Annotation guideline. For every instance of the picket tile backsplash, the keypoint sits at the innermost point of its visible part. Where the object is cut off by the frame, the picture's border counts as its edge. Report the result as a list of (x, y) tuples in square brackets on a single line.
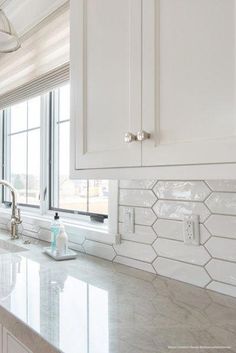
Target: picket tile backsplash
[(157, 244), (212, 264), (222, 226)]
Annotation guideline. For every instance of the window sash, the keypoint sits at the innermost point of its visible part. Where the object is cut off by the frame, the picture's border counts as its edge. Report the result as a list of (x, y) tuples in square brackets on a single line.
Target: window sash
[(6, 155), (55, 124), (48, 128)]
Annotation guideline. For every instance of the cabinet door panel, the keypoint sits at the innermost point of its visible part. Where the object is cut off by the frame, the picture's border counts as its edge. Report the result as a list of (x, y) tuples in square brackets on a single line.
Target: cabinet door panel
[(191, 66), (105, 82)]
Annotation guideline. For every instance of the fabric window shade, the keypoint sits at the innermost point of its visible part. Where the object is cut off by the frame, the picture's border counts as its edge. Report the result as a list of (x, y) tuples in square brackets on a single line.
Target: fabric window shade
[(42, 62)]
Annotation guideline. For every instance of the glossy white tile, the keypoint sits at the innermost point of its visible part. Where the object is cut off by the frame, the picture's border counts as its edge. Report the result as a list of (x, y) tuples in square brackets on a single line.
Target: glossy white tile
[(167, 228), (179, 251), (32, 227), (222, 248), (99, 249), (182, 190), (142, 234), (220, 225), (76, 247), (136, 251), (179, 209), (181, 271), (222, 185), (142, 216), (142, 198), (76, 237), (44, 234), (222, 202), (134, 263), (137, 184), (204, 234), (222, 288), (40, 235), (222, 271)]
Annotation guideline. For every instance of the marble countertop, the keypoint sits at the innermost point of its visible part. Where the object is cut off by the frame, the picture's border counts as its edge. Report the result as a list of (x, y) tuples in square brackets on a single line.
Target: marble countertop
[(89, 305)]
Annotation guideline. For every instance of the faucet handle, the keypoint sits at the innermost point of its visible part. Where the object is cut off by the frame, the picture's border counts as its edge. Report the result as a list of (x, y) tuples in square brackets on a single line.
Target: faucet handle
[(19, 220)]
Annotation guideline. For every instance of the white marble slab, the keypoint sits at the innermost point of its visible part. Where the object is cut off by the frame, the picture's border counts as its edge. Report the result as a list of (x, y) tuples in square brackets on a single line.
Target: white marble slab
[(90, 305)]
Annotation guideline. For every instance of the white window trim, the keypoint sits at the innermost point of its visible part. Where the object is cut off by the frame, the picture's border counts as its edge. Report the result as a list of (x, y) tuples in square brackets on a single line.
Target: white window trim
[(105, 233)]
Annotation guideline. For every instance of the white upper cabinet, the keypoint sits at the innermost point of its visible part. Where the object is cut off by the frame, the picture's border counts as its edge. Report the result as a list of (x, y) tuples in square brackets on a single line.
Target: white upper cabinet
[(106, 71), (189, 82), (165, 67)]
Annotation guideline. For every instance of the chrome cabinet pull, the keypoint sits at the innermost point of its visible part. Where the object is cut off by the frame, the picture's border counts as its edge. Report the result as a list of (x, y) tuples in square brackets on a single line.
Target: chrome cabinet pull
[(143, 135), (129, 137)]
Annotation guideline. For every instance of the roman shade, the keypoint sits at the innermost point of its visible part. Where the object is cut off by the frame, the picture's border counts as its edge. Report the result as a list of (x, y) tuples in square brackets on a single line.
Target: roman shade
[(42, 62)]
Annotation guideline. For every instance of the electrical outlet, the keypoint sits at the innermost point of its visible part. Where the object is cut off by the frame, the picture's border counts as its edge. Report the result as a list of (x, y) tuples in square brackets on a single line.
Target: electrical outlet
[(191, 230), (128, 226)]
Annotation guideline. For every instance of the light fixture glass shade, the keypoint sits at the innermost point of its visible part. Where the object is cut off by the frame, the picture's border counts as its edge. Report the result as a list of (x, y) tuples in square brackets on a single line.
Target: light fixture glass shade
[(9, 40)]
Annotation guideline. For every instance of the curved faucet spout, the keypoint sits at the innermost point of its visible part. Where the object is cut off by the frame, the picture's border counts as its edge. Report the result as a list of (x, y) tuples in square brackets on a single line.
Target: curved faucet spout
[(15, 215)]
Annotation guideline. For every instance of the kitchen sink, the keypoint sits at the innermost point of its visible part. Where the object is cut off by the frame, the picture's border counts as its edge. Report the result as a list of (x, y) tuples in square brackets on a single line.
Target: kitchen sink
[(7, 247)]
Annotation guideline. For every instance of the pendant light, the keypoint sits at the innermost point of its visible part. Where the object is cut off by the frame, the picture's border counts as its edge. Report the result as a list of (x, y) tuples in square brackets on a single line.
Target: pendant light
[(9, 41)]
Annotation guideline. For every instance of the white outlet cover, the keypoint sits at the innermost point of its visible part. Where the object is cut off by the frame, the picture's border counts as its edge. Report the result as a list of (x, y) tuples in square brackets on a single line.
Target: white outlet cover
[(191, 230), (128, 225)]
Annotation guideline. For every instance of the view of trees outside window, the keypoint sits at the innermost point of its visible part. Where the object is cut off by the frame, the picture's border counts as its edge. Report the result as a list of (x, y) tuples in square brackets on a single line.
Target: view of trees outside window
[(23, 148), (22, 158), (78, 195)]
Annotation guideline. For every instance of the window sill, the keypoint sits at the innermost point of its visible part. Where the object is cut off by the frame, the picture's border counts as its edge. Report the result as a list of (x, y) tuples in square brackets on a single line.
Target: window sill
[(78, 230)]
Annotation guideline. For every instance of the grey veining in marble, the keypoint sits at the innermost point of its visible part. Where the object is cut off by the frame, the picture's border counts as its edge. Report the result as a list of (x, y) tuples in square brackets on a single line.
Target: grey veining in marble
[(90, 305)]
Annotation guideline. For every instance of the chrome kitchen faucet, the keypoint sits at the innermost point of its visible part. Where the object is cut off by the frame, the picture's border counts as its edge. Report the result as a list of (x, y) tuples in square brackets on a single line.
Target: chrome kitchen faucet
[(15, 215)]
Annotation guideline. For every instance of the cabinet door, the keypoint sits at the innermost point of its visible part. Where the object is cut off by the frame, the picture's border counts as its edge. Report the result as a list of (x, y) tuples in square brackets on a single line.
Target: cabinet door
[(105, 82), (11, 344), (189, 82)]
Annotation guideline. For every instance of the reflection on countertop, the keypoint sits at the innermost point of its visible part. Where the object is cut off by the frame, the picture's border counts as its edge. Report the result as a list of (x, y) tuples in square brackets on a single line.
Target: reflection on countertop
[(92, 306)]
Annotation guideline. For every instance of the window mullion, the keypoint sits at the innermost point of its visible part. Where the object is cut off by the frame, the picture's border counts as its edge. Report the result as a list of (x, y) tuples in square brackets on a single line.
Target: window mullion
[(7, 151), (27, 155), (54, 165), (44, 153)]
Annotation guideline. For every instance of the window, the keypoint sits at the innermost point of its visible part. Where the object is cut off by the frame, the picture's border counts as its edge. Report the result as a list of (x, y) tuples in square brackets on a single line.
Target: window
[(22, 150), (23, 126), (84, 196)]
